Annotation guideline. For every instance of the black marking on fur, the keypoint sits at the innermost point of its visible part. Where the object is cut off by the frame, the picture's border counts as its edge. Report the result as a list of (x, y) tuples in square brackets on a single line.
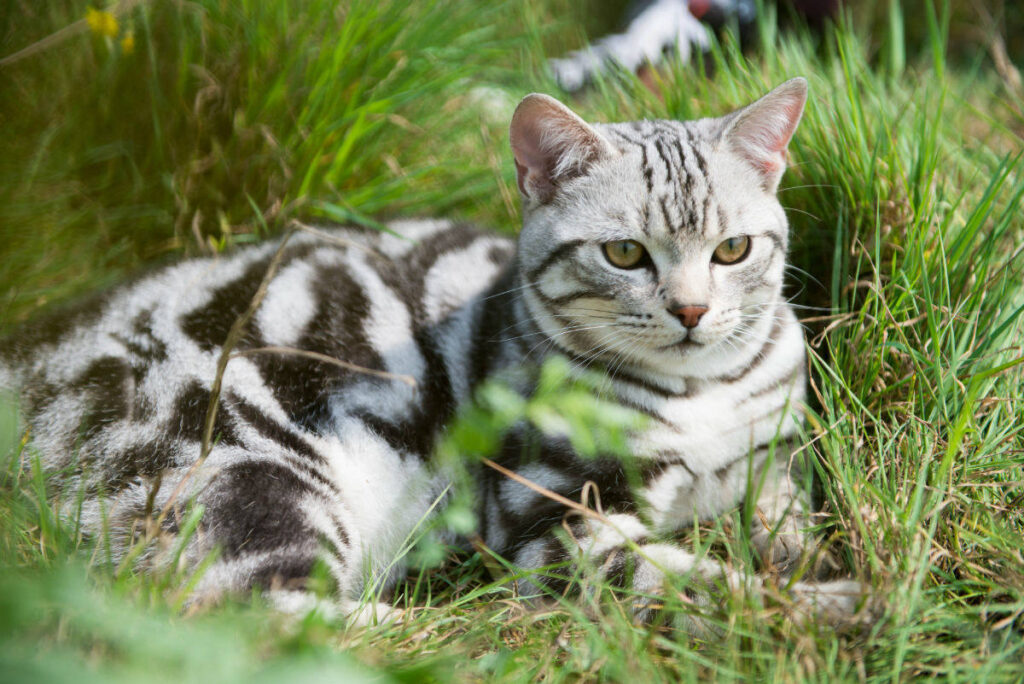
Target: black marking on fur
[(500, 255), (147, 347), (417, 433), (144, 459), (618, 373), (209, 324), (555, 579), (143, 347), (298, 453), (659, 147), (775, 384), (490, 323), (572, 296), (608, 474), (688, 177), (189, 417), (723, 473), (619, 567), (645, 217), (339, 528), (776, 239), (700, 219), (759, 357), (270, 429), (301, 385), (702, 163), (665, 216), (109, 383), (38, 394), (407, 276), (555, 255), (664, 460), (648, 171), (284, 571), (621, 135), (253, 506), (170, 523), (723, 220)]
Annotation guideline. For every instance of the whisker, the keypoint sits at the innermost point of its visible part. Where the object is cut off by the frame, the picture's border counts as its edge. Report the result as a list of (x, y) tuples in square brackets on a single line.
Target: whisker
[(801, 211), (792, 267), (803, 187)]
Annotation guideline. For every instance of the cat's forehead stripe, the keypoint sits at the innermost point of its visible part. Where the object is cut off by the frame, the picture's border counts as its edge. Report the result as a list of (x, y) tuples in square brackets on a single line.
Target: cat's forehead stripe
[(674, 171)]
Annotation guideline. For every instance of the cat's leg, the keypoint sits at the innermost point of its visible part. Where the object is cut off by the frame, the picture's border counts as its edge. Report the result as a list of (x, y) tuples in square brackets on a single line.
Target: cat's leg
[(359, 613), (259, 513), (778, 527), (615, 550), (567, 547)]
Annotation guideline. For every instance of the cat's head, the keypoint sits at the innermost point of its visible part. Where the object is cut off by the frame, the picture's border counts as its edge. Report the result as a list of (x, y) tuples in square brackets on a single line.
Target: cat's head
[(656, 244)]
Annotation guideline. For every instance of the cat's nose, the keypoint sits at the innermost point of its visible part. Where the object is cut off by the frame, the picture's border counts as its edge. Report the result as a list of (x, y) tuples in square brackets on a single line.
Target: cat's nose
[(689, 315)]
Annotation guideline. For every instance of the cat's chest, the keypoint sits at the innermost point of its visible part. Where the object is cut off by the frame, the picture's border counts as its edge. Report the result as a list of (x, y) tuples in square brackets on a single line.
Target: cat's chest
[(712, 427)]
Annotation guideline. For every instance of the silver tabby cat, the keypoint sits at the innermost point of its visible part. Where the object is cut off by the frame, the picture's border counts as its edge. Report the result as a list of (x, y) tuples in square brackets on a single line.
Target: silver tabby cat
[(653, 250)]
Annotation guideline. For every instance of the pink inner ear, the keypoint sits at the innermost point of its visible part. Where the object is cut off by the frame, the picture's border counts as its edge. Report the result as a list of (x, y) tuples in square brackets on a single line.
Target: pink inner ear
[(520, 173), (767, 167), (550, 144), (763, 131)]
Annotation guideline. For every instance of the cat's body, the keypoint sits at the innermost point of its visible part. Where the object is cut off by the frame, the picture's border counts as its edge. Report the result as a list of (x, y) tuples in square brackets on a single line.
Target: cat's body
[(311, 459)]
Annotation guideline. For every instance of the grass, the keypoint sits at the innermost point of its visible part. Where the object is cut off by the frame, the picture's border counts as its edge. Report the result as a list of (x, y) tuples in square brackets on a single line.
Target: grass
[(224, 121)]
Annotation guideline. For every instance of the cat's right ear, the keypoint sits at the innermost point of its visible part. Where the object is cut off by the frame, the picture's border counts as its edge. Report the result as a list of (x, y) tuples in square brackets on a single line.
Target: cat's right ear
[(760, 132), (551, 145)]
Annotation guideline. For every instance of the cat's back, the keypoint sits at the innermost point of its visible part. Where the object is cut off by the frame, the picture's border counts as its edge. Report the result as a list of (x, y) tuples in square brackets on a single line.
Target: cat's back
[(144, 355)]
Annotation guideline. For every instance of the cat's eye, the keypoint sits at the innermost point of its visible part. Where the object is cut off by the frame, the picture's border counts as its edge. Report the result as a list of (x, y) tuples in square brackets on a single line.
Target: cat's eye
[(731, 251), (625, 253)]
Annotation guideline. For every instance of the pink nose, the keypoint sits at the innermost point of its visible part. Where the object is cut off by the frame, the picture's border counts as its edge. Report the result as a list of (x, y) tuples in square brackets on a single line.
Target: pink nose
[(690, 315)]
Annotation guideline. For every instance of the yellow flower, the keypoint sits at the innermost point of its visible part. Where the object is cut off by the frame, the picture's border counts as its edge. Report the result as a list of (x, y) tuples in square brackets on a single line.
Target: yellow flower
[(128, 43), (101, 22)]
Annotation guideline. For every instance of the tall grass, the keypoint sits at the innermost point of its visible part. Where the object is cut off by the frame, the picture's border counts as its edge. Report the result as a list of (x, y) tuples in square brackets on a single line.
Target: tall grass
[(227, 120), (226, 117)]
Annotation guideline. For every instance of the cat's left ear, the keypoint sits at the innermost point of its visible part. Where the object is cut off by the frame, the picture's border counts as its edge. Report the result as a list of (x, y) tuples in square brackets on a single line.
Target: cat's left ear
[(760, 132), (551, 145)]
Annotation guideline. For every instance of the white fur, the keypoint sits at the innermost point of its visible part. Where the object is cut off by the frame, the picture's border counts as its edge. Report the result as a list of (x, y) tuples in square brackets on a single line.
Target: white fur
[(288, 306)]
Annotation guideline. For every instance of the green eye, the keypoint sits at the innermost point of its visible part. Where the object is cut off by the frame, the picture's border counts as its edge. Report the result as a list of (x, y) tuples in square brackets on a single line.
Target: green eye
[(624, 253), (732, 250)]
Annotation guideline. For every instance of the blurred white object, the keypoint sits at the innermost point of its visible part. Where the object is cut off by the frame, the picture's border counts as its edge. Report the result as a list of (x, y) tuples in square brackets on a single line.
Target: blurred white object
[(662, 24)]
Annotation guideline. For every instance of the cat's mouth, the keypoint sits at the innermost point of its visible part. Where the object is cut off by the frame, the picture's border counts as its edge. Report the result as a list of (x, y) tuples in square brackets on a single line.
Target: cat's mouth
[(686, 342)]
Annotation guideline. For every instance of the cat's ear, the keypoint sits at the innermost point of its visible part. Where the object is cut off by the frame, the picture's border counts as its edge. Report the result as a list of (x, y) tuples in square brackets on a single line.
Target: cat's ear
[(760, 132), (551, 145)]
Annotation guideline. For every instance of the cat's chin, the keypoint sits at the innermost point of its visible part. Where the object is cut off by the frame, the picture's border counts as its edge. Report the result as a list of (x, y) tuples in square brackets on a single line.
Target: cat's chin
[(693, 357)]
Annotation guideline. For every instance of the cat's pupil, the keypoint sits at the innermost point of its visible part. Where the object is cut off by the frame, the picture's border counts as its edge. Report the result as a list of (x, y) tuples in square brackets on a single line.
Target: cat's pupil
[(624, 253), (732, 250)]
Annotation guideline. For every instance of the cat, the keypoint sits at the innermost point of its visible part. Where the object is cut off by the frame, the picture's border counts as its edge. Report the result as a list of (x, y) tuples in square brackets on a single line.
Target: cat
[(652, 250)]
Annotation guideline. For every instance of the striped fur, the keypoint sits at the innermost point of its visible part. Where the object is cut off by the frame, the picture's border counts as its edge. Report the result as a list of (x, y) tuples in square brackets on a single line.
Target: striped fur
[(313, 460)]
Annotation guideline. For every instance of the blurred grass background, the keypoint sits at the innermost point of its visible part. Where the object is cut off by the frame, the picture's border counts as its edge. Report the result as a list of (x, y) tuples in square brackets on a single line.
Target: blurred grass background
[(136, 133)]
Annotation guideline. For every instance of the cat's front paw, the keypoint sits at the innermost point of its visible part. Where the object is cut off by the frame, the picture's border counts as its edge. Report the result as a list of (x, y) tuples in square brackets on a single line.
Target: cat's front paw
[(300, 604), (781, 549), (842, 603)]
